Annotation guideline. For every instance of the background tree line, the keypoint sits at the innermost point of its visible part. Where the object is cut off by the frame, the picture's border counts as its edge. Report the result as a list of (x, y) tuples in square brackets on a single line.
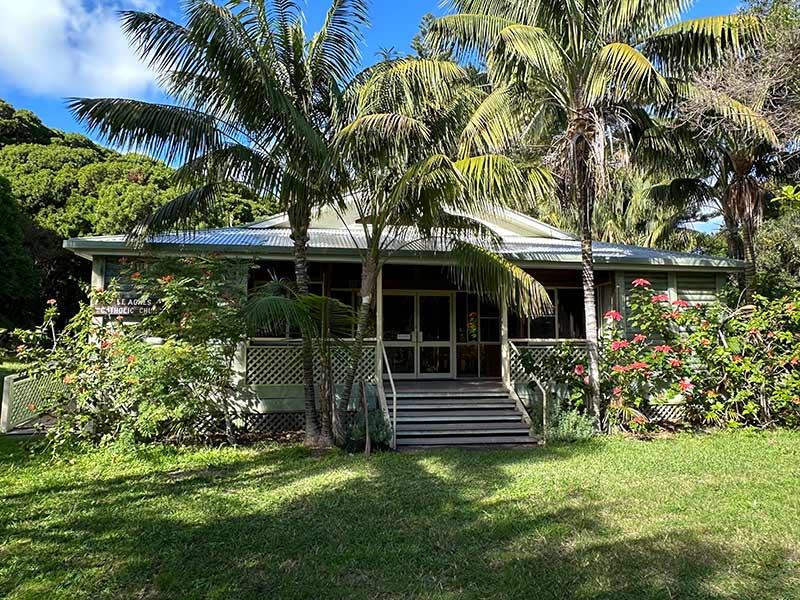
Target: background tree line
[(56, 185)]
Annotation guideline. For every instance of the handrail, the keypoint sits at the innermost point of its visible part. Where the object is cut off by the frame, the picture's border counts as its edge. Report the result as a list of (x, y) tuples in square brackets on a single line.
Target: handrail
[(394, 393), (531, 379)]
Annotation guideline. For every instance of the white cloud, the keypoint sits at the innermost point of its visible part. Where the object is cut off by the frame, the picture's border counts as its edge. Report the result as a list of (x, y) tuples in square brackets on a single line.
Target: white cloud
[(70, 48)]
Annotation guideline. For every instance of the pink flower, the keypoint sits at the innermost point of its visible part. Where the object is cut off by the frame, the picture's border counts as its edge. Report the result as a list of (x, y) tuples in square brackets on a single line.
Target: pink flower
[(680, 303), (105, 344), (639, 420), (31, 406), (51, 301), (686, 350), (619, 369), (619, 344), (640, 282), (579, 370), (639, 365), (794, 360), (616, 391), (789, 307), (69, 379), (705, 342), (130, 358), (586, 380), (675, 363), (614, 315), (685, 384), (638, 338), (659, 298), (99, 290), (665, 349)]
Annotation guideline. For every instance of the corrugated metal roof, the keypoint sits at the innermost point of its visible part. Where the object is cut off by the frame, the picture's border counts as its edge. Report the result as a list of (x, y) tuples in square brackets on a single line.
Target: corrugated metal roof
[(265, 241)]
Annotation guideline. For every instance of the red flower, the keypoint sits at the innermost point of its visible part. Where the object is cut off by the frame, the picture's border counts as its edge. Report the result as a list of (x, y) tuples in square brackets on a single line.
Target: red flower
[(675, 363), (737, 358), (619, 369), (770, 334), (639, 365), (51, 302), (639, 420), (704, 324), (680, 303), (640, 282), (616, 391), (167, 278), (619, 344), (614, 315), (105, 344), (685, 384), (69, 379), (665, 349), (131, 358), (639, 338), (31, 406), (705, 342), (99, 290), (579, 370), (753, 331), (794, 360), (136, 275), (789, 307), (659, 298)]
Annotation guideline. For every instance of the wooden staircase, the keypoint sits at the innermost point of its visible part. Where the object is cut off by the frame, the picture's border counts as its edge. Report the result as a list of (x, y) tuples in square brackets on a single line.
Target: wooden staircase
[(457, 413)]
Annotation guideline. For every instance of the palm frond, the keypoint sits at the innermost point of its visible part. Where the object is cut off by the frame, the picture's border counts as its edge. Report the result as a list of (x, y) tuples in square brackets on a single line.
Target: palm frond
[(334, 50), (621, 71), (496, 180), (498, 280), (467, 34), (532, 48), (180, 214), (682, 48)]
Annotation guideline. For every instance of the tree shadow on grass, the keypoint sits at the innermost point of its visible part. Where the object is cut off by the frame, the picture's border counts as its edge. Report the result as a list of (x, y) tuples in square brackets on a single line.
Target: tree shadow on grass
[(283, 525)]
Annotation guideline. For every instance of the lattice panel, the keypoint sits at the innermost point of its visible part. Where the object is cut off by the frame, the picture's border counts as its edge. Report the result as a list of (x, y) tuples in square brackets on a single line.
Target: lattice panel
[(26, 397), (255, 424), (666, 413), (538, 355), (283, 364)]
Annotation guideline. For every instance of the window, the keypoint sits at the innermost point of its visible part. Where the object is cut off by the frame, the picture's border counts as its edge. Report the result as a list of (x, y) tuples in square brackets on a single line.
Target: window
[(566, 322)]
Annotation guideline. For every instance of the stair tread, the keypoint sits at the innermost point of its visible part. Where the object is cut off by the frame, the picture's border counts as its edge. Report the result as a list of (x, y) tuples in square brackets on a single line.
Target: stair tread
[(459, 418), (467, 440), (404, 429)]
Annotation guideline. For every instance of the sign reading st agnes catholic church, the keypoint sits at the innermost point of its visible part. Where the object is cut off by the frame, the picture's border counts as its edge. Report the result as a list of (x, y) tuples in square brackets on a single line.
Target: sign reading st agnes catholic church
[(125, 305)]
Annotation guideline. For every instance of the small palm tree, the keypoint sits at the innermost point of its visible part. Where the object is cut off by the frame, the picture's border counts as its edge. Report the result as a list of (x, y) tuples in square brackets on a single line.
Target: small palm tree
[(253, 103), (574, 77), (413, 184)]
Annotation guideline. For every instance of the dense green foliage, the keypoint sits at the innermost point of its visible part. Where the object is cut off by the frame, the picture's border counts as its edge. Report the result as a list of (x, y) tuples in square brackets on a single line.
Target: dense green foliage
[(67, 186), (149, 379), (691, 517), (16, 264)]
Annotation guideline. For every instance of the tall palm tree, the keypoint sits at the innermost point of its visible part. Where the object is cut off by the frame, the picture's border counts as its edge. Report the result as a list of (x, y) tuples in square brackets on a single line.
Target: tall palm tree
[(593, 72), (253, 103), (414, 184)]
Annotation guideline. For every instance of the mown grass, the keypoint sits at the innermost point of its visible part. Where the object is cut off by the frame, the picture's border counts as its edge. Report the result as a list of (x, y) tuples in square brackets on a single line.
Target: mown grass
[(9, 367), (714, 516)]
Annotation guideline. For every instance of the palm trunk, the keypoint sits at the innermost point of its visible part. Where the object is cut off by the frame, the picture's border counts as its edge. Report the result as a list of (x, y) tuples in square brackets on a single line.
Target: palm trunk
[(585, 192), (749, 261), (312, 428), (369, 279)]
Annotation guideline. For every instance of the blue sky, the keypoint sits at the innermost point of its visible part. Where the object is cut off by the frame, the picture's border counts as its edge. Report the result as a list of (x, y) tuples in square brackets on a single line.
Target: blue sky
[(53, 49)]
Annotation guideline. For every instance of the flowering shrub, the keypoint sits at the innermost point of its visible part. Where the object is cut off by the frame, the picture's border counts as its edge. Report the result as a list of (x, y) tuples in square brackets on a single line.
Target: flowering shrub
[(730, 367), (117, 384)]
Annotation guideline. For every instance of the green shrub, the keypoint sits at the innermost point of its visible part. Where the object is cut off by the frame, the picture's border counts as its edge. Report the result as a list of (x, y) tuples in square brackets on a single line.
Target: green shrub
[(380, 432), (571, 426)]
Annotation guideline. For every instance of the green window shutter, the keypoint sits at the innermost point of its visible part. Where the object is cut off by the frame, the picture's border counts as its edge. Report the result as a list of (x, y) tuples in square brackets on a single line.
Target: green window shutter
[(697, 288)]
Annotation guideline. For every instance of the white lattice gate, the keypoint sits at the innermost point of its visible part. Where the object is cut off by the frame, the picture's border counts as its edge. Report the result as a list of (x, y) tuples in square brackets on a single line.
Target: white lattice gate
[(23, 398)]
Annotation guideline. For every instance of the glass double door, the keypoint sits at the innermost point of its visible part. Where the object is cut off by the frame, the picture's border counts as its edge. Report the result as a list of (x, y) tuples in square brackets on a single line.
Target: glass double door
[(418, 333)]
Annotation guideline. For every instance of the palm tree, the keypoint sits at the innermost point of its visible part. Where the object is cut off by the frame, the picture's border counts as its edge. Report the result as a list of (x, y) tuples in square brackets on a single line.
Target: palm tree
[(415, 184), (253, 103), (590, 72)]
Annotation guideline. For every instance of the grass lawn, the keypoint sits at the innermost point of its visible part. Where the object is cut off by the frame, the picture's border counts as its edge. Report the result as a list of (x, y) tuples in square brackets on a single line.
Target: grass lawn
[(713, 516)]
